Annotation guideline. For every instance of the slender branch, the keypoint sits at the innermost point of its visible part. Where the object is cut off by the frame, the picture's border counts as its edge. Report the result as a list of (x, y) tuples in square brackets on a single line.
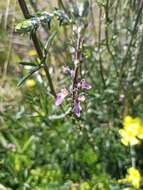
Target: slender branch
[(133, 156), (99, 39), (138, 58), (76, 64), (24, 9), (37, 45), (124, 61), (107, 20)]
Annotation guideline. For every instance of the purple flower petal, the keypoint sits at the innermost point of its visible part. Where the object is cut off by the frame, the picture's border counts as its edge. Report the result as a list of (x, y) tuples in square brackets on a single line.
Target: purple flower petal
[(59, 99), (61, 96), (85, 85), (77, 108)]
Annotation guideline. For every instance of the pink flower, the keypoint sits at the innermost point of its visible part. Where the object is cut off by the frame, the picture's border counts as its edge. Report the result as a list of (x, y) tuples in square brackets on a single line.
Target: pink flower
[(72, 72), (60, 96), (81, 98)]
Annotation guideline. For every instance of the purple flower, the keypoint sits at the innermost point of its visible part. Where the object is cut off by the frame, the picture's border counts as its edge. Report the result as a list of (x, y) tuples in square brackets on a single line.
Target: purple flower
[(60, 96), (77, 108), (85, 85), (68, 71)]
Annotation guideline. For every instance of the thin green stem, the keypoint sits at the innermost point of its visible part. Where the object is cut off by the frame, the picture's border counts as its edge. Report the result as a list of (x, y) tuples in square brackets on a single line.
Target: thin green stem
[(133, 156)]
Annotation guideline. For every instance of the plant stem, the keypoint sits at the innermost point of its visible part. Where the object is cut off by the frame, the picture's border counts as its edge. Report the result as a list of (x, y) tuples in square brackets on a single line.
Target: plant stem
[(107, 21), (76, 63), (133, 156), (125, 59), (99, 41), (37, 45)]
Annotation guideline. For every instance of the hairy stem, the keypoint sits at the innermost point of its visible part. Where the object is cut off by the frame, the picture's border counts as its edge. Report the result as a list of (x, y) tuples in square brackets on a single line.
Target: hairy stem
[(76, 64), (37, 45)]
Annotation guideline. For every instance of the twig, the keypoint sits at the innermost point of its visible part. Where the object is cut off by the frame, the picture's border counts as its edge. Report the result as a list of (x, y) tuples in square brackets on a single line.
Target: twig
[(76, 63), (99, 41), (133, 156), (37, 45), (107, 20), (124, 61)]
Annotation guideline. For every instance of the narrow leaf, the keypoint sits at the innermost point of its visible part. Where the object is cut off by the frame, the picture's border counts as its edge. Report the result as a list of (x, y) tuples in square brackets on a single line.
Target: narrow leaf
[(27, 63), (27, 144), (29, 75), (49, 42)]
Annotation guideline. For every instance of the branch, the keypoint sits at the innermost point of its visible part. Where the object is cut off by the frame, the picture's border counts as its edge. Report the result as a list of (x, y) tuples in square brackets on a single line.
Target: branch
[(37, 45)]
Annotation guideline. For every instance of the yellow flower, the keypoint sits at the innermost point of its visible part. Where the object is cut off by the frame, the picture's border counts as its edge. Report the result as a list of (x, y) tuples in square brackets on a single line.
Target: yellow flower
[(140, 135), (132, 131), (128, 138), (32, 52), (134, 177), (30, 83), (132, 125)]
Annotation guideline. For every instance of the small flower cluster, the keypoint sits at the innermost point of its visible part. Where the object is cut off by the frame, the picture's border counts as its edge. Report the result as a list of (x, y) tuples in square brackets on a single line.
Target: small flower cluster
[(43, 18), (132, 133), (133, 177), (77, 99)]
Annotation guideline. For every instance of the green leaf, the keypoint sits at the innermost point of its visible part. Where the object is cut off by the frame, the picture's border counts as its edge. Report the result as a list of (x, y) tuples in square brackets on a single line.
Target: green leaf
[(16, 142), (29, 75), (27, 144), (27, 63), (49, 42)]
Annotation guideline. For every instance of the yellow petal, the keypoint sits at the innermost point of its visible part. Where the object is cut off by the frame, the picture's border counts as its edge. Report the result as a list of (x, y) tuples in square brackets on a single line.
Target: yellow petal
[(140, 132), (134, 177), (125, 142), (127, 120), (30, 83)]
